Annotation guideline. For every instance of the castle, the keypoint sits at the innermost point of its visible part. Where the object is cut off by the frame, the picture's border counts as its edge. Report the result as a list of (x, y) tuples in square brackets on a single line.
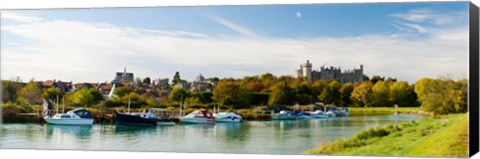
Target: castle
[(330, 73)]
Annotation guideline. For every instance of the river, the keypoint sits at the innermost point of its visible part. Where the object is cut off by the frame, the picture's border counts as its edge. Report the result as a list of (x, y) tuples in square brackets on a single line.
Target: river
[(259, 137)]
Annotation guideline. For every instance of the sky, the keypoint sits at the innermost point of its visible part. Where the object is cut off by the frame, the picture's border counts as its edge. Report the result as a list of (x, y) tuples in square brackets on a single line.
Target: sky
[(407, 41)]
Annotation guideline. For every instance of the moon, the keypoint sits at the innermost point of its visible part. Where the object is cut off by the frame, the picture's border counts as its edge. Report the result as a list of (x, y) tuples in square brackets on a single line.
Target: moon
[(299, 15)]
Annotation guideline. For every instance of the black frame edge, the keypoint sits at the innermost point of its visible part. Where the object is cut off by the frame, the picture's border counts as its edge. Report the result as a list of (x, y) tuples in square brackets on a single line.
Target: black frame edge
[(474, 80)]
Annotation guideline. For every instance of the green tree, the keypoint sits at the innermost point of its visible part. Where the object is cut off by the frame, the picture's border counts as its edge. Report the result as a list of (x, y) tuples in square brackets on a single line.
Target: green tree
[(362, 94), (345, 93), (122, 91), (176, 78), (399, 93), (178, 94), (442, 96), (136, 100), (85, 97), (381, 94), (303, 93), (51, 93), (146, 80), (229, 92), (331, 94), (31, 93), (317, 88), (9, 91), (281, 94)]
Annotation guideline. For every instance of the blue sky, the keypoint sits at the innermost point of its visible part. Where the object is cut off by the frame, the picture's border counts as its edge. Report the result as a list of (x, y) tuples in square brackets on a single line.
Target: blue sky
[(235, 41)]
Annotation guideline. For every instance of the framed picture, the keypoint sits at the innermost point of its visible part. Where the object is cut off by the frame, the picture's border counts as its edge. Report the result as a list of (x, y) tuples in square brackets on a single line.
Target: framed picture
[(322, 79)]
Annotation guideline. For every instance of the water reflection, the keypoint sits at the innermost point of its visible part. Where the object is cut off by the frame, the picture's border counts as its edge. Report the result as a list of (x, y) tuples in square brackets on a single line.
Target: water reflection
[(80, 132)]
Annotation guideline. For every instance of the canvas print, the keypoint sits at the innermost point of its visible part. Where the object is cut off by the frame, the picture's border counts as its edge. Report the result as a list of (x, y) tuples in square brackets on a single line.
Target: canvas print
[(372, 79)]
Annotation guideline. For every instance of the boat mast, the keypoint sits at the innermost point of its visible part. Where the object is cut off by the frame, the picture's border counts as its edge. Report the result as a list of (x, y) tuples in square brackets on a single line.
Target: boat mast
[(57, 105), (128, 110), (63, 104)]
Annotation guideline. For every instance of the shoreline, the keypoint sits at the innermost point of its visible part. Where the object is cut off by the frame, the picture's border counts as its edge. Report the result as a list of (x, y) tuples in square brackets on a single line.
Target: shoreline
[(413, 138)]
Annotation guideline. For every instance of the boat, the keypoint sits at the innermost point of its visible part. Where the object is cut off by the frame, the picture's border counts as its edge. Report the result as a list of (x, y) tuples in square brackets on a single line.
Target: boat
[(344, 112), (332, 113), (229, 117), (319, 114), (201, 116), (78, 116), (284, 115), (147, 118), (303, 115)]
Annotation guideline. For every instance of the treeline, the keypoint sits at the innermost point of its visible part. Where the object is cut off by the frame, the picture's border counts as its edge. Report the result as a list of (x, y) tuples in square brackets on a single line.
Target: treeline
[(440, 96), (286, 90)]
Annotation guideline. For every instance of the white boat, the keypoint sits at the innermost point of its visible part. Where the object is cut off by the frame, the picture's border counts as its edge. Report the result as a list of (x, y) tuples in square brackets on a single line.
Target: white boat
[(227, 117), (284, 115), (201, 116), (77, 116), (331, 113), (303, 115), (319, 114)]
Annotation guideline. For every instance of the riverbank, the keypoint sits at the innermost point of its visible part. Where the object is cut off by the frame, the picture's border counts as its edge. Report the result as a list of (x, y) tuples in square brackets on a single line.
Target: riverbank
[(402, 110), (440, 136)]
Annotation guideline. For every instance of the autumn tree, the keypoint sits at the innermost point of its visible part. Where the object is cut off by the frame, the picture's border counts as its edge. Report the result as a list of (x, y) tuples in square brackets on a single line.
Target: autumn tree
[(331, 94), (9, 90), (399, 93), (442, 96), (229, 92), (122, 91), (381, 94), (362, 94), (281, 94), (345, 93)]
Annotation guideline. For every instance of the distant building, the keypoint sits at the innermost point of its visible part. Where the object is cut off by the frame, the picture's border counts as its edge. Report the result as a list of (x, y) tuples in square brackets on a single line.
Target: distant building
[(162, 82), (62, 86), (330, 73), (200, 84), (123, 76)]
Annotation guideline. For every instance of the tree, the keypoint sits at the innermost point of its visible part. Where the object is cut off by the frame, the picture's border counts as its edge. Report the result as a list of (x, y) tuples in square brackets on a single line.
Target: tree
[(9, 91), (85, 97), (122, 91), (376, 78), (136, 100), (317, 88), (254, 86), (345, 93), (399, 93), (229, 92), (30, 94), (442, 96), (146, 80), (281, 94), (51, 93), (331, 94), (381, 94), (176, 78), (178, 94), (303, 93), (362, 94)]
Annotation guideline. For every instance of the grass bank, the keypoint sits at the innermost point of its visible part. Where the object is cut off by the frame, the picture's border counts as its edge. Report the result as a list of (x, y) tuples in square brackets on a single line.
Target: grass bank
[(445, 136), (402, 110)]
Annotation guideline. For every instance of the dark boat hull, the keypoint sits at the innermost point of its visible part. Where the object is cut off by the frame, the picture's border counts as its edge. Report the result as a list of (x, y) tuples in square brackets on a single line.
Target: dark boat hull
[(127, 119)]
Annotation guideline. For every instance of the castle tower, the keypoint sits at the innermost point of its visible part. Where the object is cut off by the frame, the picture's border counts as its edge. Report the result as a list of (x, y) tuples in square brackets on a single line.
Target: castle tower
[(307, 71)]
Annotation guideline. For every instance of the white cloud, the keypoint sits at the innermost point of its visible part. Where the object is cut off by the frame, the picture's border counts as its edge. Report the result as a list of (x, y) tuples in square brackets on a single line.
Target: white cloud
[(20, 18), (235, 27), (430, 16), (81, 51), (298, 14)]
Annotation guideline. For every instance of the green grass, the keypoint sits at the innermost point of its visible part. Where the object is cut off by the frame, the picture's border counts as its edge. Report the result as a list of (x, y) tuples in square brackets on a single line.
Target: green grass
[(403, 110), (445, 136)]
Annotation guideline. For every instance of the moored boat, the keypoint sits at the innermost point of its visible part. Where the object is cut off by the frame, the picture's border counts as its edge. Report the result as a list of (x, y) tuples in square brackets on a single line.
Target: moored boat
[(229, 117), (284, 115), (78, 116), (141, 119), (319, 114), (201, 116), (303, 115)]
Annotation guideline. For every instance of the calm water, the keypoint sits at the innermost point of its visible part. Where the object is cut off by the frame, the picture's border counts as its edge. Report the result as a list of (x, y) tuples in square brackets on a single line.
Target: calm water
[(269, 137)]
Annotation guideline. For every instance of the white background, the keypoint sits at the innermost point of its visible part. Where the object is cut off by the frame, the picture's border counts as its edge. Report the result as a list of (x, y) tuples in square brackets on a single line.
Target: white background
[(33, 4)]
